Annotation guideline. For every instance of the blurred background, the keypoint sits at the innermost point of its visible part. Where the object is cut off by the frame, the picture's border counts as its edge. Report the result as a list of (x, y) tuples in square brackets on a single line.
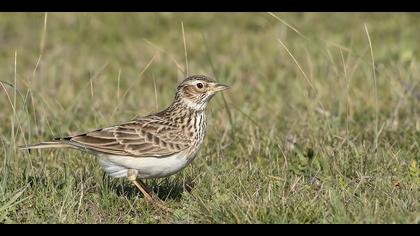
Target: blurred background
[(319, 99)]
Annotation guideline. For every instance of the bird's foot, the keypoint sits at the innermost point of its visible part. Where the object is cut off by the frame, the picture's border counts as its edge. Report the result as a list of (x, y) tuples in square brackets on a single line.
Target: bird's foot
[(147, 193)]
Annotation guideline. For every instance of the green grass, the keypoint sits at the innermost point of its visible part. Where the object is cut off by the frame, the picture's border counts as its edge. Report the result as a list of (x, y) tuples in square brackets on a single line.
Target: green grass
[(307, 133)]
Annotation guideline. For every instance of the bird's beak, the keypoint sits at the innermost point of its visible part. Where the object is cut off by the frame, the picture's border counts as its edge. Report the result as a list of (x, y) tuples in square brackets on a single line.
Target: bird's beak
[(219, 87)]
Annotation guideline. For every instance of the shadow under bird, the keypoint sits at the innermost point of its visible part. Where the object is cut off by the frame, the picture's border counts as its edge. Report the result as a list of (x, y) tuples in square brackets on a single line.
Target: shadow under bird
[(153, 146)]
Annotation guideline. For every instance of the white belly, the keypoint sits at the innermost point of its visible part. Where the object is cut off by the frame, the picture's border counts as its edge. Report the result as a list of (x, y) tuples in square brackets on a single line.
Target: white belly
[(147, 167)]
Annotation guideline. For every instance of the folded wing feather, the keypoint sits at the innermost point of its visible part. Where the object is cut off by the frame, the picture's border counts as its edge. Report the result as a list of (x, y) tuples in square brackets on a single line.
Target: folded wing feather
[(140, 138)]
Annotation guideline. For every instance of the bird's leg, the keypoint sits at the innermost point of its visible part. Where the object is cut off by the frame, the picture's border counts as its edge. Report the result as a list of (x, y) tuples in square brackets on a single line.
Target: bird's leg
[(154, 198), (150, 197), (149, 191), (132, 175)]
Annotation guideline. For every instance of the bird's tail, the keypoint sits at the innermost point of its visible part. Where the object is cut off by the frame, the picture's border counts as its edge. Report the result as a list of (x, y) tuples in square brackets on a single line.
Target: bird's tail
[(52, 144)]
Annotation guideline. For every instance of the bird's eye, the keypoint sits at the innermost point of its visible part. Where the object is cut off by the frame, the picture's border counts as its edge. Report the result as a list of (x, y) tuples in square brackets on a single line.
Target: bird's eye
[(200, 85)]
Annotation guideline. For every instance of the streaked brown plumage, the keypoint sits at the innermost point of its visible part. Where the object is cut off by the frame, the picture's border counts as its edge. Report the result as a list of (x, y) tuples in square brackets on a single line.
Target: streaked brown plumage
[(153, 146)]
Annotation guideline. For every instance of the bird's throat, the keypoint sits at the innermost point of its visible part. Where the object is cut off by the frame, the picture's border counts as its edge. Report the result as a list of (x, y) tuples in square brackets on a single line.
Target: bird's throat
[(193, 105)]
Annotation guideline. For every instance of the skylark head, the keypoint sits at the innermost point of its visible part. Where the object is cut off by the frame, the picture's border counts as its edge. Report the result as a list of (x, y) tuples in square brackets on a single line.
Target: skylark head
[(197, 90)]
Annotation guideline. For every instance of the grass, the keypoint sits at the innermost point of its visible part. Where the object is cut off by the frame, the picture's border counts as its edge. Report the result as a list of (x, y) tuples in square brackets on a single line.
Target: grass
[(321, 124)]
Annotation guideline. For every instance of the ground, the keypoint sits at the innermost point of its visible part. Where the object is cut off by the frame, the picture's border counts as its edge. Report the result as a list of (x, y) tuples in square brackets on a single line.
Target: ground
[(321, 124)]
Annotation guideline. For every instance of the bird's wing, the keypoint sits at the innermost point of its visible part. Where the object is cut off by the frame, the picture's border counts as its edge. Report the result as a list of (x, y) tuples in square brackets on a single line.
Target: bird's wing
[(146, 137)]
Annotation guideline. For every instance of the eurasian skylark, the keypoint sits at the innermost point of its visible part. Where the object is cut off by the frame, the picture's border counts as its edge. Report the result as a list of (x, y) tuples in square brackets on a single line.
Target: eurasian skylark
[(154, 146)]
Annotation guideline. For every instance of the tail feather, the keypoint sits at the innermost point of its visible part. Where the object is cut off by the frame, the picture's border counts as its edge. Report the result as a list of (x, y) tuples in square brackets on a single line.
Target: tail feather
[(52, 144)]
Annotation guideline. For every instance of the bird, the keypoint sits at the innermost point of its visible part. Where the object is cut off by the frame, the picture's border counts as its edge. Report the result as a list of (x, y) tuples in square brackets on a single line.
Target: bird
[(153, 146)]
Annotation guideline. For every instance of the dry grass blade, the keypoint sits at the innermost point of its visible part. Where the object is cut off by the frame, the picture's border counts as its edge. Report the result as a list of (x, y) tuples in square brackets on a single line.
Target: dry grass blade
[(41, 43), (2, 83), (286, 24), (297, 64), (185, 49), (156, 96), (177, 64), (377, 133)]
